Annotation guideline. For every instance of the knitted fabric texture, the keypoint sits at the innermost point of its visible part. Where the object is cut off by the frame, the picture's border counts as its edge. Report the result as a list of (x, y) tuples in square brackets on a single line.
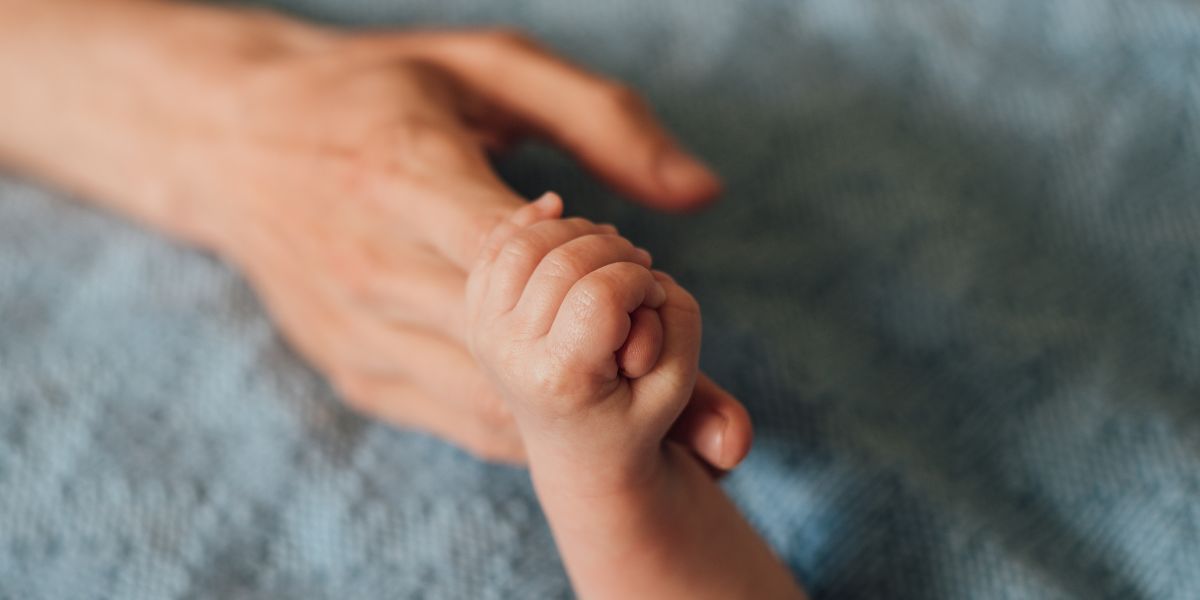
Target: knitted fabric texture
[(955, 277)]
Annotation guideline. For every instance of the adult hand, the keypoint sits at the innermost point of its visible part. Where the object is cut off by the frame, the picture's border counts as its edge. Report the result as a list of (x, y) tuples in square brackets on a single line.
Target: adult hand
[(346, 175)]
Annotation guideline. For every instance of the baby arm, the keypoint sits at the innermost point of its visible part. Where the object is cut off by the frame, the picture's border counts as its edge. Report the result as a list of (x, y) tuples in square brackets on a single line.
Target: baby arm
[(597, 356)]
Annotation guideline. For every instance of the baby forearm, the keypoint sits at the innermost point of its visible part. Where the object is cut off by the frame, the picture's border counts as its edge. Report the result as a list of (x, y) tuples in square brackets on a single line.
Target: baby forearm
[(678, 537)]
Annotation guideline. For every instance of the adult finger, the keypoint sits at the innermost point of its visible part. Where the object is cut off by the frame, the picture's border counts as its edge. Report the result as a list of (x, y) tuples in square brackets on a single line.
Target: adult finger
[(404, 405), (405, 284), (347, 341), (609, 128), (714, 425)]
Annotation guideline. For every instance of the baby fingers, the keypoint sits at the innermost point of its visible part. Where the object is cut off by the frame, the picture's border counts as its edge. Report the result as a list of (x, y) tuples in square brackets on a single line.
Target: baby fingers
[(678, 363), (643, 345), (567, 264), (594, 319), (514, 262), (548, 206)]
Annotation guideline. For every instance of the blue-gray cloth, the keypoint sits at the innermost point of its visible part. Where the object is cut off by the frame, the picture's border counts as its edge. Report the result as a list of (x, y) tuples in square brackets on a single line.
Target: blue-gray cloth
[(956, 278)]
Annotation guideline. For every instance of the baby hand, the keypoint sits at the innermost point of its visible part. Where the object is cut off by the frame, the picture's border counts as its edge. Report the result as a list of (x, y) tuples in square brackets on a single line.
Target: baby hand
[(595, 353)]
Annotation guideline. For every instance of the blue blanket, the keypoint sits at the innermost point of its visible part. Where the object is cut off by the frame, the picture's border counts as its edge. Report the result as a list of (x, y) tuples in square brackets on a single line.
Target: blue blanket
[(956, 278)]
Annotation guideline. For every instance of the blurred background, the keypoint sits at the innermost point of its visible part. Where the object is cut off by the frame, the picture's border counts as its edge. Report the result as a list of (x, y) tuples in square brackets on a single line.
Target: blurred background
[(955, 277)]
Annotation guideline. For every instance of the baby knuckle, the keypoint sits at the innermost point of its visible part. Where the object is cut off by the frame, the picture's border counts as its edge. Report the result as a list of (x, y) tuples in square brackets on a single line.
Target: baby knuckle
[(573, 226), (578, 223), (609, 285), (522, 247), (500, 230), (566, 263), (546, 379), (688, 301), (619, 246), (592, 295), (604, 244), (506, 352), (481, 229), (685, 304)]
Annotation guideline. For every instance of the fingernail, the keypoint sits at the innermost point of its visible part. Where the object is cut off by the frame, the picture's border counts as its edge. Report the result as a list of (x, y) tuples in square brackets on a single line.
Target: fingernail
[(535, 211), (682, 174), (548, 202), (712, 438), (645, 255), (607, 227), (659, 296)]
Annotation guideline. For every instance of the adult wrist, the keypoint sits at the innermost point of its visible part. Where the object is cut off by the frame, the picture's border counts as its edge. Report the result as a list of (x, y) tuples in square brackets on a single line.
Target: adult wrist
[(116, 100)]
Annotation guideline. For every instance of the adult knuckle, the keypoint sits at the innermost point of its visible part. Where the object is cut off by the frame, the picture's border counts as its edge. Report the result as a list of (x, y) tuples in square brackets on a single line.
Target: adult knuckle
[(362, 282), (413, 73), (509, 38), (617, 98), (372, 91), (387, 81), (413, 128), (424, 138)]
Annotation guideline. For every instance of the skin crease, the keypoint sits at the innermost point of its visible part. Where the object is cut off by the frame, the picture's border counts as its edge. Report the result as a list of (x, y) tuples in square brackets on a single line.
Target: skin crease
[(563, 295), (346, 175)]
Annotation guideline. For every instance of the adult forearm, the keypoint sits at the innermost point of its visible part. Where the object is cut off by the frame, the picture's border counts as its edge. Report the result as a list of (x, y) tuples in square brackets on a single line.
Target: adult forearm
[(109, 98)]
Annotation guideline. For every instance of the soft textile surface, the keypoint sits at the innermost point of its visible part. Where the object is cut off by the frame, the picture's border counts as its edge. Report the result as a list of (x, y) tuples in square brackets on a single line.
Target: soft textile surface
[(956, 277)]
